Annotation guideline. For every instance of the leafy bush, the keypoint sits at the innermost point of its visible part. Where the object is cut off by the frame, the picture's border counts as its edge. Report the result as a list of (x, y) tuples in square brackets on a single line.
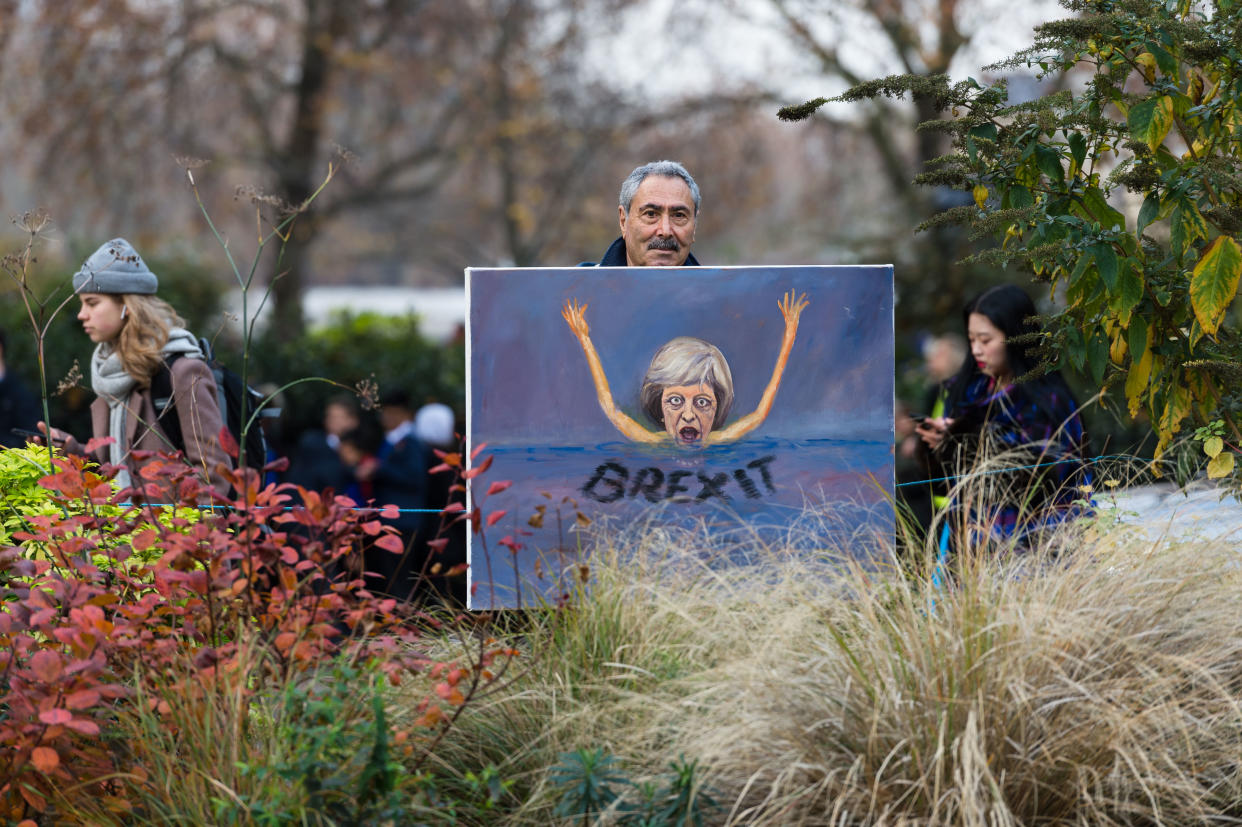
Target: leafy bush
[(1149, 292), (258, 575), (337, 763)]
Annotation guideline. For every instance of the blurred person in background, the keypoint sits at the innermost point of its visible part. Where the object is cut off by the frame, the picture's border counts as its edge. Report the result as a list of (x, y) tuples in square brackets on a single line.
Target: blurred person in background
[(357, 452), (1033, 425), (316, 463), (18, 406), (942, 356), (399, 478), (436, 425)]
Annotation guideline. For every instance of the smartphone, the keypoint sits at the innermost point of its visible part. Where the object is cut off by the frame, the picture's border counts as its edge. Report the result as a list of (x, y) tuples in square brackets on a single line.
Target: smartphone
[(26, 432), (919, 419)]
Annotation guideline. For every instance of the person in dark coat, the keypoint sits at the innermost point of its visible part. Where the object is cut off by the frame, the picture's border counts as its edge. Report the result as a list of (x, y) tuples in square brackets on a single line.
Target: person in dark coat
[(398, 478), (658, 210), (316, 463), (18, 406)]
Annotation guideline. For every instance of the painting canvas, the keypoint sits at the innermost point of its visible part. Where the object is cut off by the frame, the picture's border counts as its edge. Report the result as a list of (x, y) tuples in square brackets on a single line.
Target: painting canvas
[(753, 404)]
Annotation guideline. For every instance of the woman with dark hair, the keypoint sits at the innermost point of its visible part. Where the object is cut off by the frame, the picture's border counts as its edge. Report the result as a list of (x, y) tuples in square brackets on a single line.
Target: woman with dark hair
[(998, 405), (136, 335)]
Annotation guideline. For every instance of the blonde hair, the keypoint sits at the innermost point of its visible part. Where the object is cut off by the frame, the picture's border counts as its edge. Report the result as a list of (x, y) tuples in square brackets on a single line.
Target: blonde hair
[(140, 344), (687, 361)]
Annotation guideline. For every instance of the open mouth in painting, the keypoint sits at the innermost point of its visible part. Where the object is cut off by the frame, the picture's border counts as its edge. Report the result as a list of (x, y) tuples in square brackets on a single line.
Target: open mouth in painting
[(688, 434)]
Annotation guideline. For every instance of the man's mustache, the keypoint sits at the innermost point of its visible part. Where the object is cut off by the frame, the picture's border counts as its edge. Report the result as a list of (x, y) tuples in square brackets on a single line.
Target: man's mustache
[(664, 243)]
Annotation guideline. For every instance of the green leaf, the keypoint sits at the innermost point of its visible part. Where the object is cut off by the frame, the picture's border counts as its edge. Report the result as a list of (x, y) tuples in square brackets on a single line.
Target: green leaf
[(1017, 197), (1098, 355), (1149, 211), (1095, 207), (1187, 225), (1078, 148), (1151, 120), (1214, 282), (1079, 269), (1129, 291), (1049, 161), (1106, 262), (986, 131), (1136, 335)]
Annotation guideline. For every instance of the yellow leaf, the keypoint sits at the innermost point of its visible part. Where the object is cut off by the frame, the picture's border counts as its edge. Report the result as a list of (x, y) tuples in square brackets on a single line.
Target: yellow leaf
[(1212, 446), (981, 195), (1194, 88), (1214, 282), (1136, 381), (1221, 465), (1147, 62), (1012, 232), (1176, 409)]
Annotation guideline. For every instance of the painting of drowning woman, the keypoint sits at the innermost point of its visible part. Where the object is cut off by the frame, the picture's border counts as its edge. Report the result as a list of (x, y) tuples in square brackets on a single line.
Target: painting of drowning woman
[(687, 391)]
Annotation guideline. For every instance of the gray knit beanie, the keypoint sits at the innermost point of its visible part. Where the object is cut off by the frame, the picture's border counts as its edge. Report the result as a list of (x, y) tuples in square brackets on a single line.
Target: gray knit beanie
[(114, 268)]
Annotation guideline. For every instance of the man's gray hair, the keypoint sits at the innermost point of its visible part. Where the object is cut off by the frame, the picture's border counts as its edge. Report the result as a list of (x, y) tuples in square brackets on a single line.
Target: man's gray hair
[(687, 361), (669, 169)]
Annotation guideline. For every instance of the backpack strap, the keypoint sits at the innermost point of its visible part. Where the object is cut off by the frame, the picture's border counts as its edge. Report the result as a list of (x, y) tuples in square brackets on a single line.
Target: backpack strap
[(165, 407)]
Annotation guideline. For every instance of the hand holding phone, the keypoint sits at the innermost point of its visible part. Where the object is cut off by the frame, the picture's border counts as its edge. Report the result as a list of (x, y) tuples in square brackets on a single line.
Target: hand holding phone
[(57, 437)]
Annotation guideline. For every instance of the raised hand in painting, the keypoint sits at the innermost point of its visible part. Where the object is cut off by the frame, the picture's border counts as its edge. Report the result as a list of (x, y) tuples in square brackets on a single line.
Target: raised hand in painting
[(575, 316)]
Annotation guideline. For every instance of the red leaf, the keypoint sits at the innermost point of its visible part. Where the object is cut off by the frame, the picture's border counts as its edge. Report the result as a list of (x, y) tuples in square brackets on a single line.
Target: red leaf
[(439, 469), (495, 517), (390, 542), (453, 508), (227, 442), (477, 450), (82, 699), (45, 759), (498, 486), (55, 716), (32, 797), (47, 665), (439, 545), (83, 726), (95, 443)]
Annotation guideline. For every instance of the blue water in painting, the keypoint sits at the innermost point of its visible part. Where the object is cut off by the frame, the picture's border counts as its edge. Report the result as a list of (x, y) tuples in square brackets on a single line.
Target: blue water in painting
[(810, 494)]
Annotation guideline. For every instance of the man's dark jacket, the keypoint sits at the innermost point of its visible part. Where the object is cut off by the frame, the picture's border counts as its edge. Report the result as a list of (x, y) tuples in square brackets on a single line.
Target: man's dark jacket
[(18, 409), (615, 257)]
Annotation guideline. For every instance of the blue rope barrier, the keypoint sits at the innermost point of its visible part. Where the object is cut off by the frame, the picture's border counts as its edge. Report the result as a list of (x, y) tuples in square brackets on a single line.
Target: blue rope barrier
[(1090, 461), (286, 508)]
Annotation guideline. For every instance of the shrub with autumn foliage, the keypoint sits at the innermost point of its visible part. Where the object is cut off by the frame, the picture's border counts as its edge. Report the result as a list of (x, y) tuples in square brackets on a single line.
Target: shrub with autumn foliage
[(267, 585)]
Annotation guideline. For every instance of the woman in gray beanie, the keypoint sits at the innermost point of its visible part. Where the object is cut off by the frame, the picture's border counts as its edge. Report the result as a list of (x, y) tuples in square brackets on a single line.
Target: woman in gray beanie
[(135, 335)]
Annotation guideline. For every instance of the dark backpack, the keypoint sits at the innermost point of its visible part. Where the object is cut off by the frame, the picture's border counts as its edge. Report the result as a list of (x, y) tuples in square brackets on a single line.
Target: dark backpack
[(230, 392)]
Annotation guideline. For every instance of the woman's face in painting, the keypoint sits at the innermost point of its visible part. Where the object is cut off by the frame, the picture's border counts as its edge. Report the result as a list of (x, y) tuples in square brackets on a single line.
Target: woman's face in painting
[(689, 411), (987, 346)]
